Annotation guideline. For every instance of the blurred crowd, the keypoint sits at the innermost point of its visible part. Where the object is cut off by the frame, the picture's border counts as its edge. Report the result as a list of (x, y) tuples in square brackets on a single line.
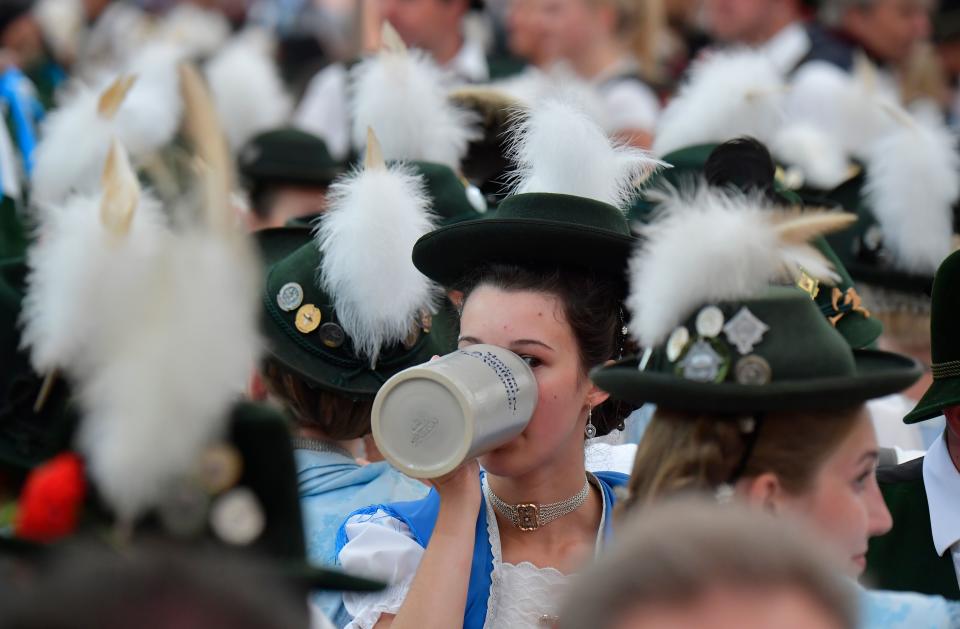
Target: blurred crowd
[(226, 225)]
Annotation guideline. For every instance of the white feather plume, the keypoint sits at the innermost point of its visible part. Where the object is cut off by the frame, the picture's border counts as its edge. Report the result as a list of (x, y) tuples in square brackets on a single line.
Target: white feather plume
[(366, 240), (534, 86), (198, 31), (819, 156), (178, 357), (150, 116), (75, 138), (855, 115), (727, 94), (710, 246), (77, 272), (911, 186), (558, 148), (401, 96), (249, 94)]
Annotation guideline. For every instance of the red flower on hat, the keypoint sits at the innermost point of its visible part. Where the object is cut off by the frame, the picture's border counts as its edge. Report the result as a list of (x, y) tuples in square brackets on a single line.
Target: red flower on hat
[(51, 500)]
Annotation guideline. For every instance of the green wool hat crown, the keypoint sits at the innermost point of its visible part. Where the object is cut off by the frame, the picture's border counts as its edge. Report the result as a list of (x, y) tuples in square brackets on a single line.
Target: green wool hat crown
[(944, 344), (745, 164), (453, 198), (288, 156), (305, 334), (566, 209), (345, 307), (719, 335)]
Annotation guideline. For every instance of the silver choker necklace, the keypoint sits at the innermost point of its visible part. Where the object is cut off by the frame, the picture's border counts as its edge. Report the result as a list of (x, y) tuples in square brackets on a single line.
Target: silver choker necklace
[(529, 516)]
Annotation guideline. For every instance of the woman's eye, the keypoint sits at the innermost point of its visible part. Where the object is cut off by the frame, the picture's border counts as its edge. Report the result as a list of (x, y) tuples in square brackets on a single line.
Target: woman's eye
[(860, 482), (532, 361)]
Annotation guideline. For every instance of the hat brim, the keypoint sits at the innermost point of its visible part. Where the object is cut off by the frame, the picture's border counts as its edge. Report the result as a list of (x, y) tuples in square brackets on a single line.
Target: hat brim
[(877, 374), (448, 254), (941, 394)]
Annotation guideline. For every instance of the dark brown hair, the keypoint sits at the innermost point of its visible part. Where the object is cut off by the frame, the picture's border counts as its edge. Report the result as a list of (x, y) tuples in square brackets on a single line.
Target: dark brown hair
[(592, 305), (338, 417), (687, 452)]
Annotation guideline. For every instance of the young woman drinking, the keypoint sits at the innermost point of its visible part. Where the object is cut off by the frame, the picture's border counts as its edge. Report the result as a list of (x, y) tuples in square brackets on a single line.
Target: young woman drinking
[(543, 278)]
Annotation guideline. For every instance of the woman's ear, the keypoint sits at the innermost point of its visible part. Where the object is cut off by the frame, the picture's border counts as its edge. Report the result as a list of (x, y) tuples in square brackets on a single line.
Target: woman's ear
[(763, 491), (596, 396)]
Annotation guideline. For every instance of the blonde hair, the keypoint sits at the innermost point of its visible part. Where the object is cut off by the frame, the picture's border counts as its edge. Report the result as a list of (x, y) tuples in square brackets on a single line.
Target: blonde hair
[(640, 26), (688, 452)]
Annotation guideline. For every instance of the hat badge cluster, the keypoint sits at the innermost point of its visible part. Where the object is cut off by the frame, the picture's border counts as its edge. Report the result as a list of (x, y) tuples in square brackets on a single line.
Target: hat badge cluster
[(708, 355)]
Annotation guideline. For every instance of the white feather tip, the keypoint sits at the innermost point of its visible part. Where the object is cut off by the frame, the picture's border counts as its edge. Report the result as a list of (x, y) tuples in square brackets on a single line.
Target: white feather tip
[(559, 148), (366, 242), (712, 246)]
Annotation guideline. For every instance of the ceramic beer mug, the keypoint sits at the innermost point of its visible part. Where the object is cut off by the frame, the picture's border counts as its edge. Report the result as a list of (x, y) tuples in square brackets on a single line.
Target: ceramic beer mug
[(427, 420)]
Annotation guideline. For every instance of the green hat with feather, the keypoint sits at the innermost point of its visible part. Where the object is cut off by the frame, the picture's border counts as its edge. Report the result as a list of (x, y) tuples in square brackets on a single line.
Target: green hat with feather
[(720, 335), (344, 307), (565, 212)]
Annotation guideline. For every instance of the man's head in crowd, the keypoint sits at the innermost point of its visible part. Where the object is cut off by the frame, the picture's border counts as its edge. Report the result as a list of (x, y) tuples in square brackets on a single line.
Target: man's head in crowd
[(432, 25), (750, 22), (889, 30)]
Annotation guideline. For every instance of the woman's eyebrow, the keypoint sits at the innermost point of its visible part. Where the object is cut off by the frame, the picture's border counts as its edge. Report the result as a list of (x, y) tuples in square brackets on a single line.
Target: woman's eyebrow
[(521, 342), (872, 455), (468, 339)]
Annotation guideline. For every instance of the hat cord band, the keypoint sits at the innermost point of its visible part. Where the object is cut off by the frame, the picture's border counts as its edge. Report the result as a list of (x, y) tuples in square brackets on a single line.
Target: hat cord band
[(949, 369)]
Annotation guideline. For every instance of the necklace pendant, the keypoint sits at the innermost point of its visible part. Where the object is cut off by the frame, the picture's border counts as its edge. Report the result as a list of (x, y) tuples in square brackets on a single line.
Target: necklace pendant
[(528, 517)]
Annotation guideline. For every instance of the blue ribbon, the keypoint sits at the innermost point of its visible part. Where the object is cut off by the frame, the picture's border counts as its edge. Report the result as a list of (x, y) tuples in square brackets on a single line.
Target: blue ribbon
[(25, 112)]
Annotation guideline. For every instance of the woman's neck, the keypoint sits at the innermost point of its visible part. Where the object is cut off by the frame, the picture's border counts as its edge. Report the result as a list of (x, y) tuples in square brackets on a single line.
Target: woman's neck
[(554, 481), (597, 60), (353, 446), (566, 543)]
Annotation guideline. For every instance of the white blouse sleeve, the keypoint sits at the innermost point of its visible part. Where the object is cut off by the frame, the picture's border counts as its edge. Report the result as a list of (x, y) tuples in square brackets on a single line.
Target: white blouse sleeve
[(381, 547), (630, 105), (324, 110)]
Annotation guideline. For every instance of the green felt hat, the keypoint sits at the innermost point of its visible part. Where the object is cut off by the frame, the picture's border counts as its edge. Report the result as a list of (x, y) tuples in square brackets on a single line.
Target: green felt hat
[(454, 199), (861, 248), (288, 156), (775, 352), (319, 350), (259, 438), (841, 304), (944, 344), (13, 235), (27, 436), (537, 228)]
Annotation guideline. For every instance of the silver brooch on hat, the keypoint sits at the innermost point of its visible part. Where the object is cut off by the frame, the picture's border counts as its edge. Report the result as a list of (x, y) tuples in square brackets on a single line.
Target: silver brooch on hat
[(290, 296), (752, 370), (744, 330), (709, 322), (703, 362)]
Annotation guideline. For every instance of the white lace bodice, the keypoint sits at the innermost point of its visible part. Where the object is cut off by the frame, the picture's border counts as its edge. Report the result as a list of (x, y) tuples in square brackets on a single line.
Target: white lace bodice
[(522, 594), (383, 547)]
